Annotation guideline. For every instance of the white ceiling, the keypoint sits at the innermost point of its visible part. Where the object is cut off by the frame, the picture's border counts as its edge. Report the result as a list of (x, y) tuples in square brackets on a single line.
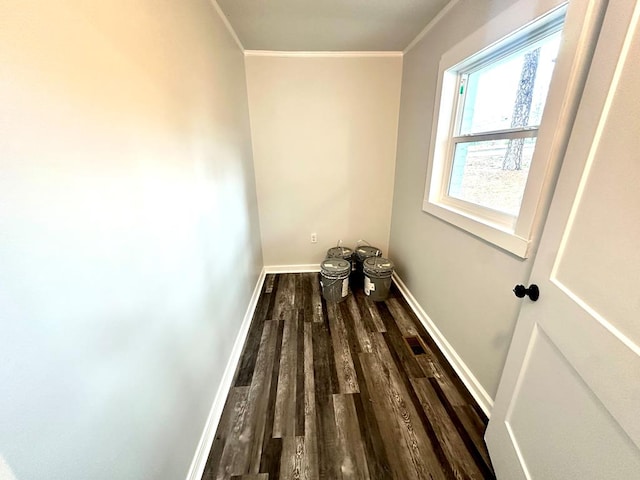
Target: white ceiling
[(329, 25)]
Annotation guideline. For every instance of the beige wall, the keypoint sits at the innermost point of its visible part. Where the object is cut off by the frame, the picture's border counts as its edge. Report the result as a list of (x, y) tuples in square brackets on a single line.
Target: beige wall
[(463, 283), (129, 239), (324, 140)]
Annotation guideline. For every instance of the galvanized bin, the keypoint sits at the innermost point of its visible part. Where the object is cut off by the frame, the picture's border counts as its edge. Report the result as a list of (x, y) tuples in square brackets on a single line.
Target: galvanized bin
[(361, 254), (377, 277), (334, 279), (342, 252)]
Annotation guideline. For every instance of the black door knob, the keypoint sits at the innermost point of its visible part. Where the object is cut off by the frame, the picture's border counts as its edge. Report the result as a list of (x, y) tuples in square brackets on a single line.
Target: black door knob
[(533, 291)]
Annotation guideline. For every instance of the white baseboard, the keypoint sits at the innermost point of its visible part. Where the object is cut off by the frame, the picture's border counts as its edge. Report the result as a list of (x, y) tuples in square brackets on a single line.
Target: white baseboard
[(312, 267), (471, 382), (206, 440)]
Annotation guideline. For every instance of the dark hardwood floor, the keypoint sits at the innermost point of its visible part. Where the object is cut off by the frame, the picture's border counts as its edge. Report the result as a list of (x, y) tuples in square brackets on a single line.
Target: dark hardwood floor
[(356, 390)]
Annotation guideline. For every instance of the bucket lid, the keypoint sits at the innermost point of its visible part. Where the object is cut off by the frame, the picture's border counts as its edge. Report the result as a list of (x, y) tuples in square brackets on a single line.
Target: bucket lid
[(339, 252), (378, 266), (335, 266), (366, 251)]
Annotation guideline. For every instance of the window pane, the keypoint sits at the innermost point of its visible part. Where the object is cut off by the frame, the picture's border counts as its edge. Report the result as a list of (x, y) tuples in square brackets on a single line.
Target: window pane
[(510, 92), (493, 173)]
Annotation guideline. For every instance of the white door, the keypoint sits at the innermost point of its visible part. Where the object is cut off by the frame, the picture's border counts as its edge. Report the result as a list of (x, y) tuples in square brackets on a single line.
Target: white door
[(568, 405)]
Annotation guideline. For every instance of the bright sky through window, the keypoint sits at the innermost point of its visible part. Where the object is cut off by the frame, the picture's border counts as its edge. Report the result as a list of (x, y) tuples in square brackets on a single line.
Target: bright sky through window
[(497, 86), (506, 94)]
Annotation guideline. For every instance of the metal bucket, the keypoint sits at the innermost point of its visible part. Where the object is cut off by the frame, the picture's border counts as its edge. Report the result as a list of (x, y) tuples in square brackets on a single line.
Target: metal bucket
[(360, 255), (342, 252), (377, 277), (334, 279)]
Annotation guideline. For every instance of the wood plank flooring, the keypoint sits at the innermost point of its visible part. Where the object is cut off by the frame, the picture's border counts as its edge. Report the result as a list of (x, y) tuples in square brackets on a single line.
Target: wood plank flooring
[(356, 390)]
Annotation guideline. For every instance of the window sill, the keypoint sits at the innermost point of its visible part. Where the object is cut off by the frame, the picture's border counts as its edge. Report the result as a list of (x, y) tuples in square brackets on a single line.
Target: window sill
[(496, 234)]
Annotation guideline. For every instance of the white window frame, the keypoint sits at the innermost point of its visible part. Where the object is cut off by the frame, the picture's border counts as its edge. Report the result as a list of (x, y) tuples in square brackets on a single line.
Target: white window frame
[(514, 234)]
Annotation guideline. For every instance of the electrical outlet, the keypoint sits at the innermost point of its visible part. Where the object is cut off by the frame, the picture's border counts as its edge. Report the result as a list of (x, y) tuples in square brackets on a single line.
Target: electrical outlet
[(314, 238)]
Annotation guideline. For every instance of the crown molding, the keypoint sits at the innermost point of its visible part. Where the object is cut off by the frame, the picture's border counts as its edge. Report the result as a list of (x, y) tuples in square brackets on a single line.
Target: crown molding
[(434, 21), (225, 20), (275, 53)]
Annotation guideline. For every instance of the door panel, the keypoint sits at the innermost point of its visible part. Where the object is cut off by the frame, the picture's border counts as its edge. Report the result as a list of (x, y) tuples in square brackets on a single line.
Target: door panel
[(603, 239), (541, 395), (568, 401)]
